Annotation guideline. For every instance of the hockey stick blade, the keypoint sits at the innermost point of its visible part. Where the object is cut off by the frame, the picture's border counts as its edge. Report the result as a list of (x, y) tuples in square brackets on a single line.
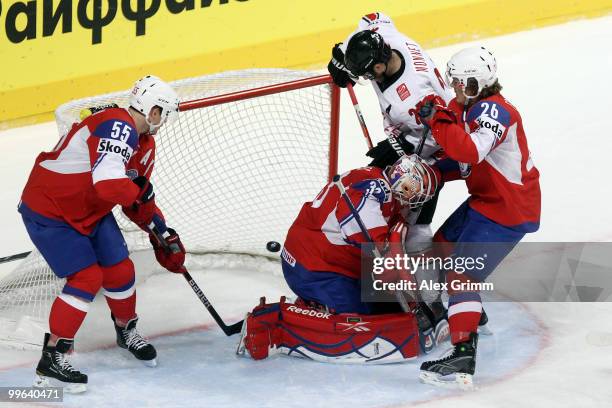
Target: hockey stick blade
[(228, 330), (15, 257)]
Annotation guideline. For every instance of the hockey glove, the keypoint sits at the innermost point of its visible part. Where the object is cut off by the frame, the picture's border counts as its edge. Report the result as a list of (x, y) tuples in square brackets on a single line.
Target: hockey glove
[(142, 210), (388, 151), (337, 70), (395, 248), (433, 108), (172, 255)]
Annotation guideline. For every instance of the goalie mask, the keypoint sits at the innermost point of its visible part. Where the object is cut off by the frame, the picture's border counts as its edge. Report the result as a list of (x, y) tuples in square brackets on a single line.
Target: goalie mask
[(473, 68), (413, 182), (150, 92)]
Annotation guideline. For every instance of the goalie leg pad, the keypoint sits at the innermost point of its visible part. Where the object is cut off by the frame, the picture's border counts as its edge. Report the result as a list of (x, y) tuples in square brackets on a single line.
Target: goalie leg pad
[(261, 331), (302, 331)]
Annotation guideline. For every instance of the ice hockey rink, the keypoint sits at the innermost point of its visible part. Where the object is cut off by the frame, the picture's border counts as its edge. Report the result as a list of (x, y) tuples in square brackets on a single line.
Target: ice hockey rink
[(538, 356)]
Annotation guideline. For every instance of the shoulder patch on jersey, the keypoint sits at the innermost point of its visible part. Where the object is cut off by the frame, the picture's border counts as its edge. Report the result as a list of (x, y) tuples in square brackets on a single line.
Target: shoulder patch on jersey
[(376, 18), (119, 130), (403, 92), (491, 110), (490, 116), (376, 188), (370, 17), (131, 174)]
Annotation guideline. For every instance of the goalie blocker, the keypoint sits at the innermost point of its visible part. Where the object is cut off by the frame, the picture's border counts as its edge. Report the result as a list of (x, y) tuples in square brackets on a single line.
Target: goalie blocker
[(350, 338)]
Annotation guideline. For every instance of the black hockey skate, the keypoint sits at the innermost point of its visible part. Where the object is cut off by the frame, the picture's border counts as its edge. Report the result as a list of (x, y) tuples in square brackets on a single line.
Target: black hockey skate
[(128, 338), (461, 362), (55, 370)]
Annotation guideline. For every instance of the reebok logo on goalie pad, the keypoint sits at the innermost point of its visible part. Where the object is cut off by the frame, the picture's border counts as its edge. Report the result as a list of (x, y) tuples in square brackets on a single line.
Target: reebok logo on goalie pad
[(309, 312), (359, 327)]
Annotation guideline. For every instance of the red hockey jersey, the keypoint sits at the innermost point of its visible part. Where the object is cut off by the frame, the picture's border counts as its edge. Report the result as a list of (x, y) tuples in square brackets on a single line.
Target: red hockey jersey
[(84, 177), (490, 145), (326, 237)]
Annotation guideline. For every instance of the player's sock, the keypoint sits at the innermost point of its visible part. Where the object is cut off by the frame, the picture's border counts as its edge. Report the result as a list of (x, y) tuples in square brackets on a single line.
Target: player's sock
[(67, 315), (54, 366), (464, 313), (124, 310), (71, 306), (129, 339)]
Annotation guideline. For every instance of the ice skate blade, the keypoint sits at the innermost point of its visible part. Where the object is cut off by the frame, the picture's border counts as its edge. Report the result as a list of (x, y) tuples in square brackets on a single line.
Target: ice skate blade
[(460, 381), (484, 330), (150, 363), (41, 381)]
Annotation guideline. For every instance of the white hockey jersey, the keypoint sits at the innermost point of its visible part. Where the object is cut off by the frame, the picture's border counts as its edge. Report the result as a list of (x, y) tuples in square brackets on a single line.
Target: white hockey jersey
[(417, 78)]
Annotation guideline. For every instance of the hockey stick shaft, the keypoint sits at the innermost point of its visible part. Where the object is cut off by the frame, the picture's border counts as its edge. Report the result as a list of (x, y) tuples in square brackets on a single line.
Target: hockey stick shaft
[(228, 330), (364, 128), (424, 135), (14, 257), (400, 297)]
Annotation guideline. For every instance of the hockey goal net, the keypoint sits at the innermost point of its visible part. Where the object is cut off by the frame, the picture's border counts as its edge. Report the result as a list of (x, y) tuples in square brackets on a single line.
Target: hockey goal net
[(231, 173)]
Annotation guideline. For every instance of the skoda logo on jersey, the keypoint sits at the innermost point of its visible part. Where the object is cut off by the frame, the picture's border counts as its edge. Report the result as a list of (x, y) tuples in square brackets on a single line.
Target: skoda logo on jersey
[(110, 146), (495, 127)]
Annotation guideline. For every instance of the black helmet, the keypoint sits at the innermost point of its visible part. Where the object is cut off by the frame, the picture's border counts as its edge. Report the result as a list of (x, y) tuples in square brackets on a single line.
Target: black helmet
[(364, 50)]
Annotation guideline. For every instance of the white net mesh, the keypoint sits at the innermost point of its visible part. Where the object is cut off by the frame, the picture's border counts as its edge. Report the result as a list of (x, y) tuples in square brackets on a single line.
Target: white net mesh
[(229, 178)]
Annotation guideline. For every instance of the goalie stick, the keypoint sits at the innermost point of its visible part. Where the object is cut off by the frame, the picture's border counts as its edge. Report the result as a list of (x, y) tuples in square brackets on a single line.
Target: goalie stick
[(228, 330)]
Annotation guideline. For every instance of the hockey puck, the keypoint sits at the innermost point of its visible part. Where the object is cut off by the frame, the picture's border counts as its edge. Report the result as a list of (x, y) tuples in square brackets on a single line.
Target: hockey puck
[(273, 246)]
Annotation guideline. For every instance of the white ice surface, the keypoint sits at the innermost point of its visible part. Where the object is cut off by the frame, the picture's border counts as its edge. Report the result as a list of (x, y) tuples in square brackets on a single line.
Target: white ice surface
[(558, 77)]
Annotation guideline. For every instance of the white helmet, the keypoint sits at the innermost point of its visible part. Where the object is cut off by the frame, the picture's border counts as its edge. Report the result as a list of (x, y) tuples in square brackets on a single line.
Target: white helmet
[(474, 62), (151, 91), (413, 182)]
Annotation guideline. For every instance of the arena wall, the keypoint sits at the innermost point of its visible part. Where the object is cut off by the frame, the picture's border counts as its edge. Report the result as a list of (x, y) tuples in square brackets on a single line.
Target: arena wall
[(53, 51)]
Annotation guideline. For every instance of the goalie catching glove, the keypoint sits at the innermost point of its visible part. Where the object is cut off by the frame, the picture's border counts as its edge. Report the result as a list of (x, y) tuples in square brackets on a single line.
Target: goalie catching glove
[(171, 253)]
